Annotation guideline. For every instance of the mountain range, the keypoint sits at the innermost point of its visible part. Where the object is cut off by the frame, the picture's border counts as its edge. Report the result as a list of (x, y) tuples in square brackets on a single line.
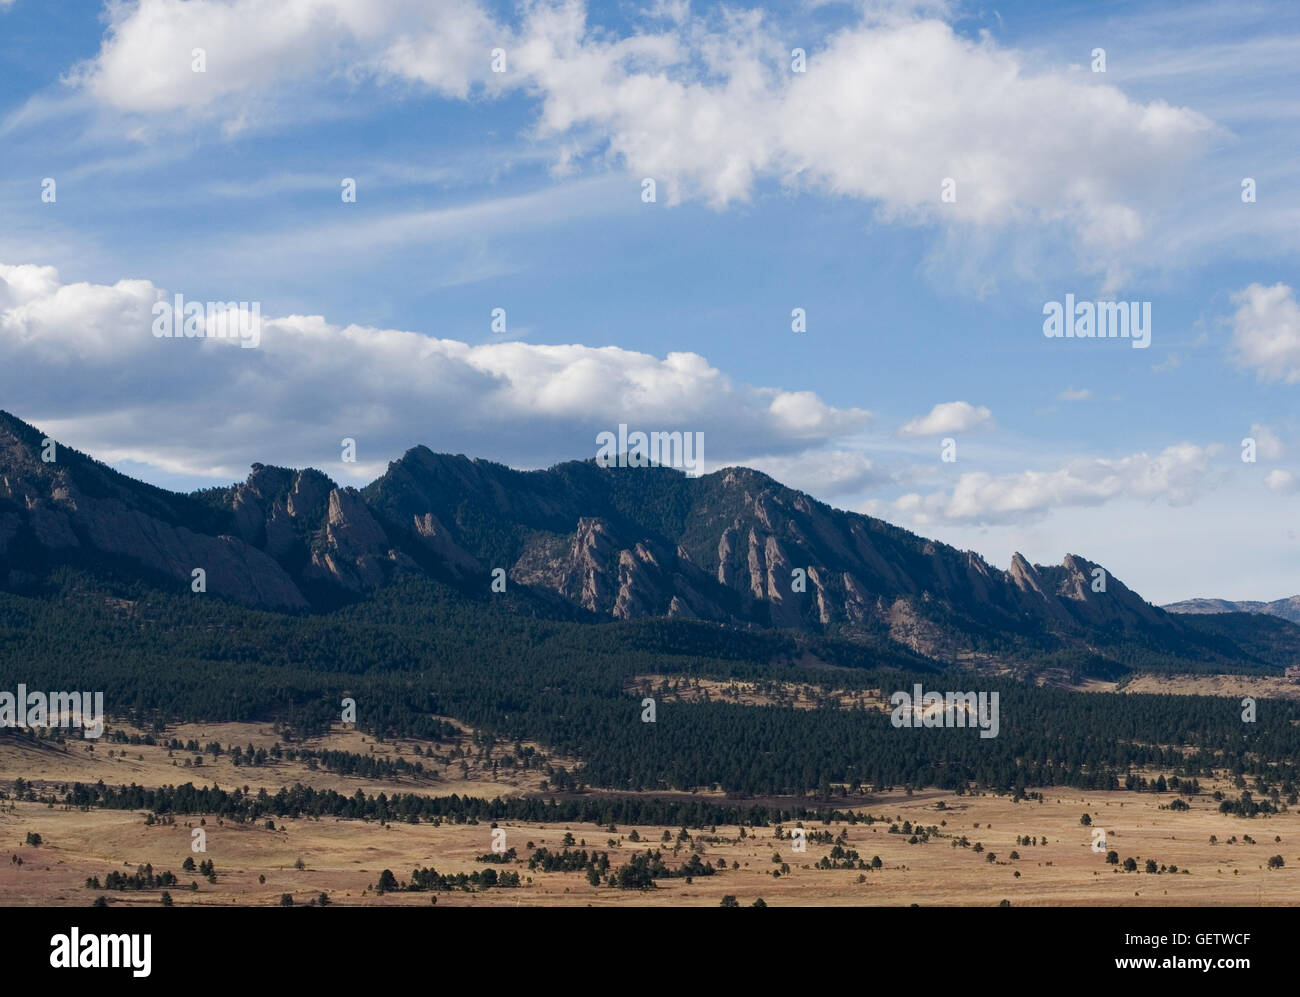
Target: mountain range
[(1287, 609), (579, 541)]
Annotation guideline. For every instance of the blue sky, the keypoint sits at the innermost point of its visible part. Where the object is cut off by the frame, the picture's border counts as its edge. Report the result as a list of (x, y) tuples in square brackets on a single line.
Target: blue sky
[(776, 190)]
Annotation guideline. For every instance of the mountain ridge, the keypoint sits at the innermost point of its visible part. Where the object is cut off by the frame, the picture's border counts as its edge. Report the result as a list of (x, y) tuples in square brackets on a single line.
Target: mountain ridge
[(1287, 608), (733, 548)]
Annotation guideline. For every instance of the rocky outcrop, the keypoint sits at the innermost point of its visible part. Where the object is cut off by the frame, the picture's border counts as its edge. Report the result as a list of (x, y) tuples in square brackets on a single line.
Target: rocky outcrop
[(1032, 596), (438, 540), (638, 591), (1096, 599), (352, 549)]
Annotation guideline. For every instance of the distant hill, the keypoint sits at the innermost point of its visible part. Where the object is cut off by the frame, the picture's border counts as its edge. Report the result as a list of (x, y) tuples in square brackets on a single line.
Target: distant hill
[(1287, 609)]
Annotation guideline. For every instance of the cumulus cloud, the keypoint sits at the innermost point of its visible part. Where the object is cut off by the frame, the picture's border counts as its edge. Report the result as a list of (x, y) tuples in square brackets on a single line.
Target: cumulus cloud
[(888, 110), (1177, 475), (146, 61), (948, 417), (207, 406), (1266, 332)]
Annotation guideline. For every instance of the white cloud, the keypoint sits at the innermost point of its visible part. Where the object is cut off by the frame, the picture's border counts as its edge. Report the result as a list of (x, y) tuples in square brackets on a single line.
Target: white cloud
[(145, 63), (948, 417), (1177, 475), (824, 473), (1146, 545), (1280, 481), (1172, 361), (196, 405), (1267, 443), (1266, 332), (1075, 395), (888, 108)]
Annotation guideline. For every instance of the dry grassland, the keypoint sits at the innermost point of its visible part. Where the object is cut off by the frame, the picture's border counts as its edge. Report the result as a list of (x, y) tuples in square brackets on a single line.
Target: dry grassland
[(345, 858)]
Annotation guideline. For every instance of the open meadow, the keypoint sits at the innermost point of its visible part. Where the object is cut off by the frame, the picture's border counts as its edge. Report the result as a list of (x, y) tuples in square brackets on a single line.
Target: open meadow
[(933, 847)]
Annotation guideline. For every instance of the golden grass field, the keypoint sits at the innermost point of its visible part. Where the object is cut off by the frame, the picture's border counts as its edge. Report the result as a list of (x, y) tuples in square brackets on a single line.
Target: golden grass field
[(89, 761), (809, 696), (345, 858)]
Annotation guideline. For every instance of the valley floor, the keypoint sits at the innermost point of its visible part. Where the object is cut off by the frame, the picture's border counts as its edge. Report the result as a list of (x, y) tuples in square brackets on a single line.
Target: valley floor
[(344, 859)]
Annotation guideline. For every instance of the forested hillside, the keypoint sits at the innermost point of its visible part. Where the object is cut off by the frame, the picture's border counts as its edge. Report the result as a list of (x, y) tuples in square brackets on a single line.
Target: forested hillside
[(419, 651)]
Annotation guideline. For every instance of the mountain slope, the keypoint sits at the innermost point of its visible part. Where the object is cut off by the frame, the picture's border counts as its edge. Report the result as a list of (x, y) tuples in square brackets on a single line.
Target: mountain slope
[(579, 541)]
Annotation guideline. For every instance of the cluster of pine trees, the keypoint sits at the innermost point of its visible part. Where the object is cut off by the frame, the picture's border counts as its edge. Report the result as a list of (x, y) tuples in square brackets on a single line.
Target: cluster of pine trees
[(306, 801), (423, 880), (144, 878)]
